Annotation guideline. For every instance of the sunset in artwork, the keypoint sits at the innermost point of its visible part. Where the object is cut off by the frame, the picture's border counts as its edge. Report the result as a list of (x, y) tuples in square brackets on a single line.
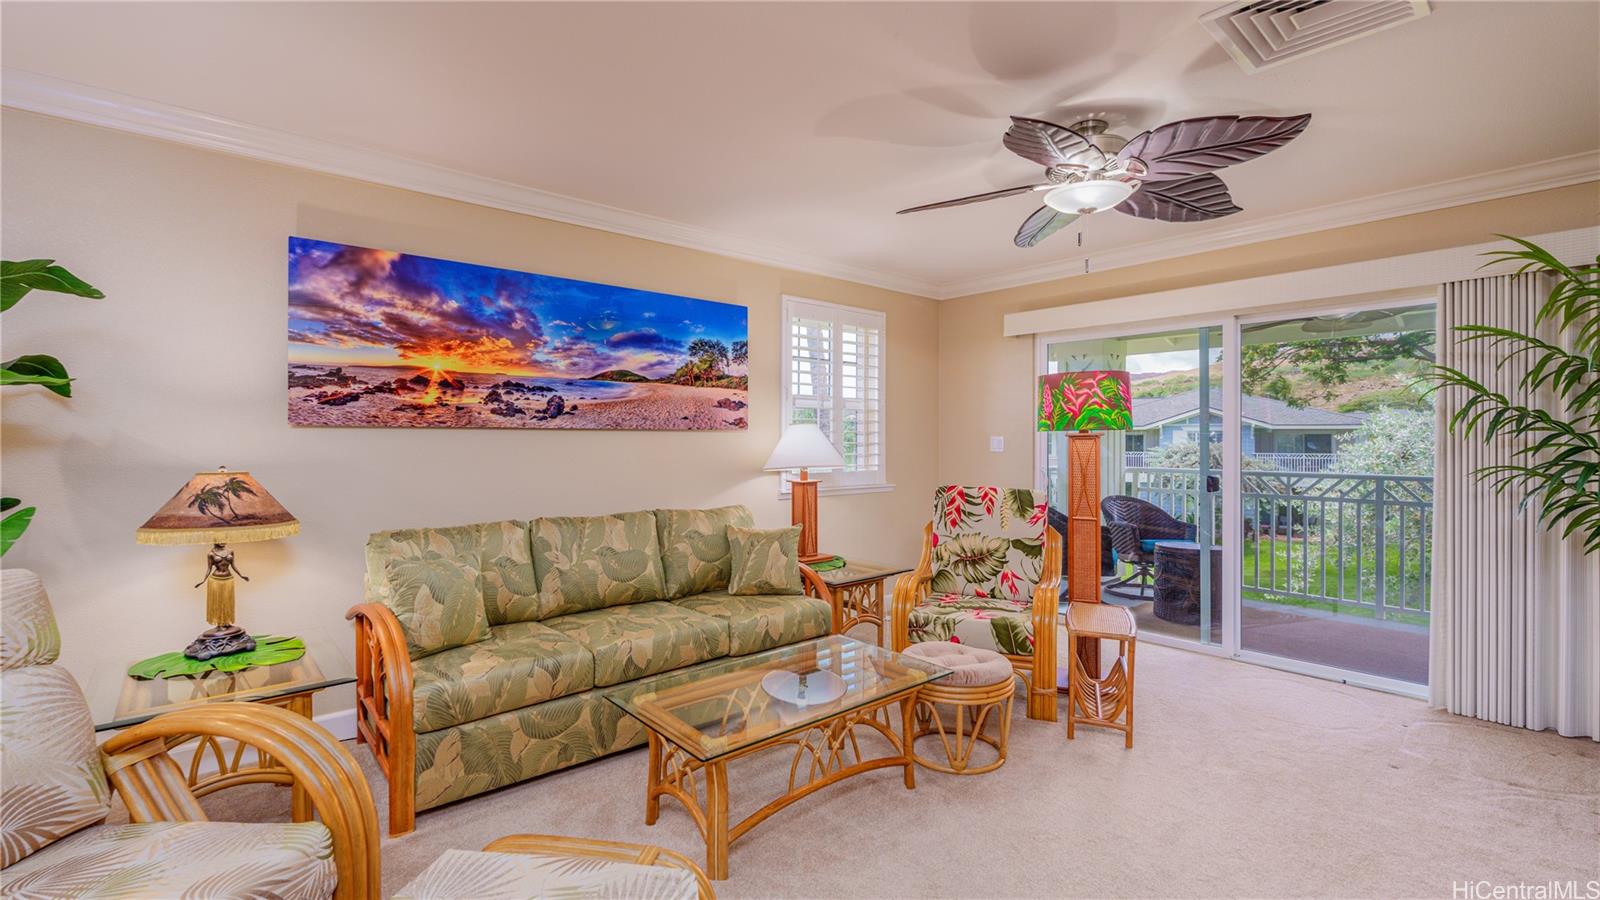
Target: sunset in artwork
[(380, 338)]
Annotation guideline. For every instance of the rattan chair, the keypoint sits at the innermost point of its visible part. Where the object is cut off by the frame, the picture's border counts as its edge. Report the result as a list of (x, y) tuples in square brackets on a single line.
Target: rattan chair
[(1134, 525)]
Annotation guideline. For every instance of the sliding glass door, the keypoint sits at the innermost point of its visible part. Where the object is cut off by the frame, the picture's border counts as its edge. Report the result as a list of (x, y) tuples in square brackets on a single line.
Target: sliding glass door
[(1336, 490), (1161, 514)]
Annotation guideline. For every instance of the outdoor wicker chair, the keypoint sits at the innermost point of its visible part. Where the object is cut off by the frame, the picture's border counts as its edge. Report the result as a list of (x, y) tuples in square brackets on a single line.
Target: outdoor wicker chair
[(1134, 526)]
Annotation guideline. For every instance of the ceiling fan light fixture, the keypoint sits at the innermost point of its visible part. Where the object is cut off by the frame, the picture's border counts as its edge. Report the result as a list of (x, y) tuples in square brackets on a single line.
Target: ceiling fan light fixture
[(1085, 197)]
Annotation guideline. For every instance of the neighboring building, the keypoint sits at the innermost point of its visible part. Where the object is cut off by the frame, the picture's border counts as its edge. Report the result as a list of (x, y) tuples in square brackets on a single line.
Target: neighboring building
[(1269, 426)]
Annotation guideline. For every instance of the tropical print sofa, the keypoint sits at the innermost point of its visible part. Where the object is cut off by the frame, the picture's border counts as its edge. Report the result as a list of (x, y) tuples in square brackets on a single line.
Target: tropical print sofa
[(484, 653), (989, 576)]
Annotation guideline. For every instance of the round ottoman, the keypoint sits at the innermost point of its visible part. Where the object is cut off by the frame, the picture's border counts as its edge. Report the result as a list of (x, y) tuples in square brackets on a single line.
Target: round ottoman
[(979, 688)]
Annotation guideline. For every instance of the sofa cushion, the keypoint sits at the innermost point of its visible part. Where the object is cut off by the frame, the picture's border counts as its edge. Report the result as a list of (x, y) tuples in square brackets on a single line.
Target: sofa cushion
[(430, 578), (183, 859), (630, 642), (1002, 625), (593, 562), (510, 590), (518, 665), (759, 622), (695, 555), (765, 561)]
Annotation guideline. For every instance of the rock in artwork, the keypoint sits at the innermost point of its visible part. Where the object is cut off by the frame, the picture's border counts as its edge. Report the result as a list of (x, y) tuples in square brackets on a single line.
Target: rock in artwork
[(385, 339)]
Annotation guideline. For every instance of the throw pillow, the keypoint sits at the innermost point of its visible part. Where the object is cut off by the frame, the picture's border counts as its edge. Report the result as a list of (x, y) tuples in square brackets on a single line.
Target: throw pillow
[(765, 562), (438, 597)]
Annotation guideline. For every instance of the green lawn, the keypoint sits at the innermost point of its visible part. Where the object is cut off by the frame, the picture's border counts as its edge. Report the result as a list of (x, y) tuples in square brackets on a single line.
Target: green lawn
[(1280, 559)]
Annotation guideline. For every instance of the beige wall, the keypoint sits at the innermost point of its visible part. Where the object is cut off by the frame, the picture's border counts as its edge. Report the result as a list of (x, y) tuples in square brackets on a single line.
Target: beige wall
[(988, 377), (181, 368)]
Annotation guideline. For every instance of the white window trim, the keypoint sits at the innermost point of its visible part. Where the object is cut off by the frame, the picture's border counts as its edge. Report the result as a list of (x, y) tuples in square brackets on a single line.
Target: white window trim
[(831, 483)]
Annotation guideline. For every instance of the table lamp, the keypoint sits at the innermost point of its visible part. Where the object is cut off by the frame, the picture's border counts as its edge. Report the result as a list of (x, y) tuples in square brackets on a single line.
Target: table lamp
[(1083, 403), (804, 447), (217, 508)]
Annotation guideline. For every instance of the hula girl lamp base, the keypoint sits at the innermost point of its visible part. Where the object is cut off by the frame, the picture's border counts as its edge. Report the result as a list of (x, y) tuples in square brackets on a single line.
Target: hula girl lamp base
[(216, 508)]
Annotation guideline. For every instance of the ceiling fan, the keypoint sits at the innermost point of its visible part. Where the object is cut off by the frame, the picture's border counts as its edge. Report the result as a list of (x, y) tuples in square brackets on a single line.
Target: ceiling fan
[(1164, 173)]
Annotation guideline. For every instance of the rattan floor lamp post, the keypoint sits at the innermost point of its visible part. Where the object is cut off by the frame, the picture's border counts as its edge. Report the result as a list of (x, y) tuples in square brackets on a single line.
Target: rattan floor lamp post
[(1083, 403)]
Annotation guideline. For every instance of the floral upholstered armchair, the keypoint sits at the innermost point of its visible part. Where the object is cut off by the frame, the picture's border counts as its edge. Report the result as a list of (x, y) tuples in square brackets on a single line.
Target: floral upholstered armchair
[(989, 576), (56, 787)]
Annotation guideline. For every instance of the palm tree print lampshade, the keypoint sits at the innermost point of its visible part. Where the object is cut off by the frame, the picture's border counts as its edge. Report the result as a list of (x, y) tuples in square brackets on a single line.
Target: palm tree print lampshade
[(219, 507), (1085, 401)]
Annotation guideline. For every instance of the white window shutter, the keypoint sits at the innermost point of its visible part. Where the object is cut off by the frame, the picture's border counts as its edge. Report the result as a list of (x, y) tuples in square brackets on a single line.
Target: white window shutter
[(834, 376)]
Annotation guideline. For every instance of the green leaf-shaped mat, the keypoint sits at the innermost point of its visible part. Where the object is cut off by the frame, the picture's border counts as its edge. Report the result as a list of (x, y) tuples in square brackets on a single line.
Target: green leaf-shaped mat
[(269, 649)]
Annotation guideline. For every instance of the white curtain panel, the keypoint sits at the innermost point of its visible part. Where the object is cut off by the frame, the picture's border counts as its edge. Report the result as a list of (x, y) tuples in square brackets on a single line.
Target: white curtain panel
[(1516, 609)]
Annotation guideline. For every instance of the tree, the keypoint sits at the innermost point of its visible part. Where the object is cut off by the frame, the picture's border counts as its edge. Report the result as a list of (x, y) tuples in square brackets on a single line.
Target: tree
[(1325, 362), (740, 353), (712, 355), (1390, 442), (1186, 455)]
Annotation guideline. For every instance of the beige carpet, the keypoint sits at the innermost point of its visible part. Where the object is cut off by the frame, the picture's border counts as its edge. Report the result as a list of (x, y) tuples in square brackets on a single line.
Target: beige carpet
[(1243, 781)]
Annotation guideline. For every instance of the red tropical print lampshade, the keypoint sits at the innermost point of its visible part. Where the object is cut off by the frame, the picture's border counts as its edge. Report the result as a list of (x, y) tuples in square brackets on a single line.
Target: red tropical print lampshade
[(1085, 401)]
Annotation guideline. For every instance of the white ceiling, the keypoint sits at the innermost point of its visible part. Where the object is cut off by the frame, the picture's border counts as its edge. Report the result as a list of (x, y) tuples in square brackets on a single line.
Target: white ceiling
[(805, 126)]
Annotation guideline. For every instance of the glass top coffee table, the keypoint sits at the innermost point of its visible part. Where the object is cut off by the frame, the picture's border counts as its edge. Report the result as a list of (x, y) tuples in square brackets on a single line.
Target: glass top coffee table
[(815, 698)]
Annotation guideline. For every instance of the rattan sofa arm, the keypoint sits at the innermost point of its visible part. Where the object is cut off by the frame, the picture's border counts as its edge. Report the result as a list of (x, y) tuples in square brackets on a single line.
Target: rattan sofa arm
[(316, 761), (384, 707)]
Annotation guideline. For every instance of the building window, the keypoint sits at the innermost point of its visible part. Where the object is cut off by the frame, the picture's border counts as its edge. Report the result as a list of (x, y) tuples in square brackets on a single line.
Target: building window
[(833, 376), (1133, 443)]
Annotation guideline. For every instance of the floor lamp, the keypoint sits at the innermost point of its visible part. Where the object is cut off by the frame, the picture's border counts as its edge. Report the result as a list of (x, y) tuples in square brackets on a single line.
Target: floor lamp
[(1083, 403)]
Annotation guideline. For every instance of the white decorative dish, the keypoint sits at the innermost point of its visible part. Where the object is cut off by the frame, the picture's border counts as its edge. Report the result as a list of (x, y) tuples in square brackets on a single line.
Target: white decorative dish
[(819, 687)]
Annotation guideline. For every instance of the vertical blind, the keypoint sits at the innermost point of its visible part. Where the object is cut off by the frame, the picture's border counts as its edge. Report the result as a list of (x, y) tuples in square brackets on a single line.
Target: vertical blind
[(1516, 608), (833, 376)]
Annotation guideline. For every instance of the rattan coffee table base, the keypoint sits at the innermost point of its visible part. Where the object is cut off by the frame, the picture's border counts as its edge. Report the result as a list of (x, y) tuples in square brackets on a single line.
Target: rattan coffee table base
[(825, 753)]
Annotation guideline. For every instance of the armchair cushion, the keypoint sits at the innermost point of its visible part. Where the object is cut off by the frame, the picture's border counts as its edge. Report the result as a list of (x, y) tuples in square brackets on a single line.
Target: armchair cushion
[(695, 554), (987, 541), (28, 632), (183, 859), (51, 783), (644, 638), (432, 582), (991, 623), (519, 665), (592, 562), (760, 622)]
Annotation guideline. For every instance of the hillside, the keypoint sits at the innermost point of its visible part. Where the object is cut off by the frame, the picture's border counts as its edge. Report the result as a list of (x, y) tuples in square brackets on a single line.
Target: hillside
[(1370, 386), (618, 375)]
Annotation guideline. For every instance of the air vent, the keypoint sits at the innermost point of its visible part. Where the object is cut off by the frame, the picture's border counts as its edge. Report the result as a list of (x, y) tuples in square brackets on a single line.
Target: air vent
[(1266, 33)]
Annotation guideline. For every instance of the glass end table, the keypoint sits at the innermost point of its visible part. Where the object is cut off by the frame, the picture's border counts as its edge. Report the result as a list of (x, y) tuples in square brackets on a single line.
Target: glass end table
[(856, 594)]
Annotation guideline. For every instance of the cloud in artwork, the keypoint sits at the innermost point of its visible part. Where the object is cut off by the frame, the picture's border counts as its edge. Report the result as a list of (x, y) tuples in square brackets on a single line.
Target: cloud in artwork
[(370, 306)]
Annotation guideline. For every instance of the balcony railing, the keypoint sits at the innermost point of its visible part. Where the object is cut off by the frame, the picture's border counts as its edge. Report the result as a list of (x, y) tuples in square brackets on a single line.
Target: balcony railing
[(1352, 540), (1282, 462)]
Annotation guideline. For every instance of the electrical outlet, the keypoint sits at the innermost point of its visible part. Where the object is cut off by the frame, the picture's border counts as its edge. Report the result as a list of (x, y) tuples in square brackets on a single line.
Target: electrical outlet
[(997, 444)]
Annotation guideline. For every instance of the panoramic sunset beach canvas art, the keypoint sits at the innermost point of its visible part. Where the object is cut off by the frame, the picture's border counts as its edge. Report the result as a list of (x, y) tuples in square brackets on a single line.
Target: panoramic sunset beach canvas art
[(385, 339)]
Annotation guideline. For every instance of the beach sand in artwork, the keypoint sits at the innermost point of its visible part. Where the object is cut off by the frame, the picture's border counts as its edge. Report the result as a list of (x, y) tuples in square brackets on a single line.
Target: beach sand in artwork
[(478, 404)]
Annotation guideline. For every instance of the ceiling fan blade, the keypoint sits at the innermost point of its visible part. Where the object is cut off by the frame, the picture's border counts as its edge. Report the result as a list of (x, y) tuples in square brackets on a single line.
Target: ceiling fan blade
[(1192, 146), (1044, 222), (1049, 144), (1193, 199), (977, 198)]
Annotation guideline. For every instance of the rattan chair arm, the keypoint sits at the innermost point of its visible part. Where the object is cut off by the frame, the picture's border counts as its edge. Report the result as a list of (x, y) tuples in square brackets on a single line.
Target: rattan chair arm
[(638, 854), (384, 706), (316, 761), (909, 590)]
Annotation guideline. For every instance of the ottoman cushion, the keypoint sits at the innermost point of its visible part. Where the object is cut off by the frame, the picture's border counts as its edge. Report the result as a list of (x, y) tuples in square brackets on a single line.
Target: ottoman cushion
[(969, 666)]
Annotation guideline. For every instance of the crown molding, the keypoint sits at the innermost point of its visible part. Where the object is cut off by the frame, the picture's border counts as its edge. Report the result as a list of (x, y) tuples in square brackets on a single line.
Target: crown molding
[(1540, 176), (63, 99)]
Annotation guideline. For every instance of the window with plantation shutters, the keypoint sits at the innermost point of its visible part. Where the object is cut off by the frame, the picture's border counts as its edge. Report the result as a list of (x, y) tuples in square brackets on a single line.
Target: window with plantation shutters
[(833, 376)]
